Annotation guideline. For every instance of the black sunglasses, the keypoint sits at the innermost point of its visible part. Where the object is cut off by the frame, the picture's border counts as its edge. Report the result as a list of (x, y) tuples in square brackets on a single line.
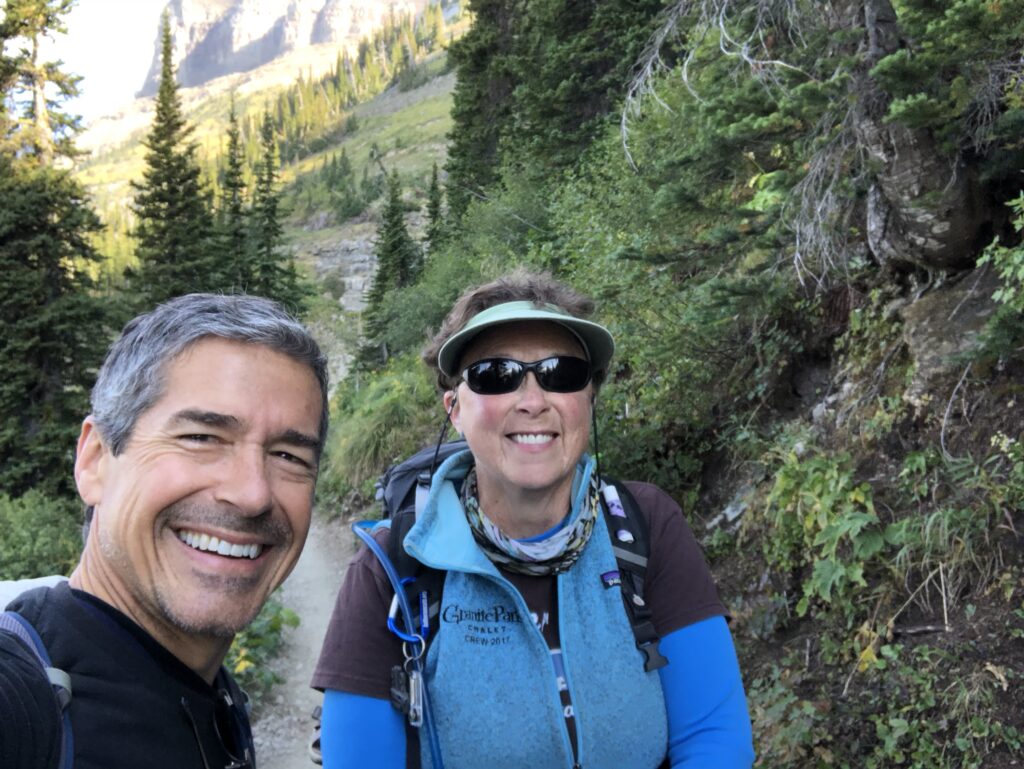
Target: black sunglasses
[(557, 374)]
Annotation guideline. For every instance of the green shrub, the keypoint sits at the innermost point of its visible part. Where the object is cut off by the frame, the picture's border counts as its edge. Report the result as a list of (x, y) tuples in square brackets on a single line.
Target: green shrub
[(380, 421), (253, 649), (1005, 330), (823, 518), (39, 535), (922, 725), (788, 729)]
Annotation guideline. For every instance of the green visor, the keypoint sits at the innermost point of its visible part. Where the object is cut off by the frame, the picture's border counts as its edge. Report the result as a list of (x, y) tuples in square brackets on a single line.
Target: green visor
[(596, 339)]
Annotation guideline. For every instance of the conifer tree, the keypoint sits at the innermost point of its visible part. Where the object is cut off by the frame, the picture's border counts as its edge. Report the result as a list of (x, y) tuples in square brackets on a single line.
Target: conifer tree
[(435, 221), (399, 261), (267, 230), (54, 328), (482, 100), (273, 274), (174, 220), (233, 225), (571, 63), (430, 29)]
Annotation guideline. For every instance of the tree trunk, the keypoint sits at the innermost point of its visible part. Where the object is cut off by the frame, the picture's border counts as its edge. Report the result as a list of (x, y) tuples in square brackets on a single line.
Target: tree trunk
[(924, 207)]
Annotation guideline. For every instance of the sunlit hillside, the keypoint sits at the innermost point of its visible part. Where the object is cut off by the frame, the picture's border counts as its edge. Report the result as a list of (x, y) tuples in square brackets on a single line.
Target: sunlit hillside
[(403, 127)]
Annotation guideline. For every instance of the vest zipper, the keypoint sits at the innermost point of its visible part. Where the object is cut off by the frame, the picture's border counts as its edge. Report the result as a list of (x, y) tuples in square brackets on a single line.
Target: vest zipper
[(521, 603), (577, 752)]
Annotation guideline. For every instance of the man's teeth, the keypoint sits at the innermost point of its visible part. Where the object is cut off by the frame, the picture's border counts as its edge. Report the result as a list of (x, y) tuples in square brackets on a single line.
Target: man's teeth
[(219, 546), (532, 437)]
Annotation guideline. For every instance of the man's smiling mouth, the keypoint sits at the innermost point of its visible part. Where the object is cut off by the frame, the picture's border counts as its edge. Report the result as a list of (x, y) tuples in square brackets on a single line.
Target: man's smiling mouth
[(220, 546)]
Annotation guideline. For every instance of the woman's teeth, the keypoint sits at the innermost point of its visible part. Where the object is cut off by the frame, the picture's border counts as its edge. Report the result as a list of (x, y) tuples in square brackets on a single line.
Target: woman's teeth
[(219, 546), (532, 438)]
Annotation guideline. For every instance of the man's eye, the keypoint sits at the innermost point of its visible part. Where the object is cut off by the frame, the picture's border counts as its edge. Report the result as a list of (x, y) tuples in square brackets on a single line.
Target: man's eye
[(198, 438), (289, 457)]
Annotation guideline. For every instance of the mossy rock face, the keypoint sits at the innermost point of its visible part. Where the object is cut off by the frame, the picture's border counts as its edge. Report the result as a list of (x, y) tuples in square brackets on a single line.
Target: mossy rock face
[(944, 326)]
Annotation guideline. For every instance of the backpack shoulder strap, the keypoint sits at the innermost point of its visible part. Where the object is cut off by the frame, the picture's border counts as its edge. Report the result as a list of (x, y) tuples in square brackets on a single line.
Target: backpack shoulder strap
[(423, 585), (17, 625), (631, 544)]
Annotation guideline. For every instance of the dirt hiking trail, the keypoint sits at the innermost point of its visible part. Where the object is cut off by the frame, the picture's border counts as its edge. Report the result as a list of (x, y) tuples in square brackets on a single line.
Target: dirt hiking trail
[(283, 723)]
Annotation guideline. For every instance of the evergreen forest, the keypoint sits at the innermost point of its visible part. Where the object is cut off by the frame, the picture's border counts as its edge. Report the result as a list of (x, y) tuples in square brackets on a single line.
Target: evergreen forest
[(801, 220)]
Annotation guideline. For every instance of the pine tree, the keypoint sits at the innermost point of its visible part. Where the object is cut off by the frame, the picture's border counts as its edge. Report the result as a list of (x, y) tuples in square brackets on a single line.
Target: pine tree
[(433, 26), (435, 222), (571, 62), (233, 224), (482, 100), (267, 229), (54, 328), (399, 261), (273, 274), (175, 224)]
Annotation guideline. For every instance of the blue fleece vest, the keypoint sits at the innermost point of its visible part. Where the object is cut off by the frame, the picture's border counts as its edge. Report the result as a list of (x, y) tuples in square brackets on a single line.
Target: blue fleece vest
[(489, 671)]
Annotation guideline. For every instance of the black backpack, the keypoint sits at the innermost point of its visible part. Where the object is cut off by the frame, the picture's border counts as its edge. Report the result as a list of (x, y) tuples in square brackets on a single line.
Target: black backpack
[(13, 623)]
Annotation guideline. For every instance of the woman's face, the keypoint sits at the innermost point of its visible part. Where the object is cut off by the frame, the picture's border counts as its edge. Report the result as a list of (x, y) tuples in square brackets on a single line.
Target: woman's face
[(530, 439)]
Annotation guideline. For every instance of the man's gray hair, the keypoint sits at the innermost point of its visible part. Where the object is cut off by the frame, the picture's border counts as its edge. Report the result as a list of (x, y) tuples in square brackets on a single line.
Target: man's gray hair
[(133, 375)]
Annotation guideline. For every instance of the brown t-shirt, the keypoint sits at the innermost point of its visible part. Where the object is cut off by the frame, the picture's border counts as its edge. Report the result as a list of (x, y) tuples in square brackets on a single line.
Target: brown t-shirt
[(359, 650)]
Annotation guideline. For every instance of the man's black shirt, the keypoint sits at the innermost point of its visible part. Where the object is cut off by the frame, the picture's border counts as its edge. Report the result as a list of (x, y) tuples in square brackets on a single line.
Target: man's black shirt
[(134, 704)]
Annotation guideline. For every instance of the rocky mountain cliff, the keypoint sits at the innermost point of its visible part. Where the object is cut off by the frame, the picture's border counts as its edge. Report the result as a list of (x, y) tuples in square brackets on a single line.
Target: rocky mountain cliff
[(218, 37)]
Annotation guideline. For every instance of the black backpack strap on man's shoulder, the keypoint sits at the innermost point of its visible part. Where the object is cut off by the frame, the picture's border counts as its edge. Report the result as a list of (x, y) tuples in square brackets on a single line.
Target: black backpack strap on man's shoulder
[(631, 544), (15, 624)]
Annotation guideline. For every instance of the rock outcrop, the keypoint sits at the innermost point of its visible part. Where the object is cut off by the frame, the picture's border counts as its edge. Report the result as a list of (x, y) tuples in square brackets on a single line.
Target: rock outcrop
[(219, 37)]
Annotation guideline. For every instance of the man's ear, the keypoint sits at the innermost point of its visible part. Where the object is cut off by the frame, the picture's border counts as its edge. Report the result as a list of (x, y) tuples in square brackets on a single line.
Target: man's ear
[(90, 463)]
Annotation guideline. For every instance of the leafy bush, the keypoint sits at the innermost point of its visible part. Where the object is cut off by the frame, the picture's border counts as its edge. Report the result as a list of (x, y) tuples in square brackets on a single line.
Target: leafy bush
[(39, 535), (379, 422), (788, 729), (1006, 328), (255, 647), (823, 518), (919, 724)]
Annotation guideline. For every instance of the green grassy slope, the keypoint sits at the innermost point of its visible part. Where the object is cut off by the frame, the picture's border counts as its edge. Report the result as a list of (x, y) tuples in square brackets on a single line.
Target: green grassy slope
[(407, 129)]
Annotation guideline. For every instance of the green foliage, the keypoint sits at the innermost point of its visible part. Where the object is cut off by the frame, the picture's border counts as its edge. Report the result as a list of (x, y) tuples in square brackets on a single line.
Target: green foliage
[(482, 103), (175, 224), (569, 63), (271, 272), (257, 646), (232, 222), (55, 328), (1009, 496), (435, 219), (788, 729), (823, 518), (943, 77), (39, 535), (1005, 330), (379, 422), (536, 84), (905, 716), (409, 315), (917, 724), (314, 113), (399, 262)]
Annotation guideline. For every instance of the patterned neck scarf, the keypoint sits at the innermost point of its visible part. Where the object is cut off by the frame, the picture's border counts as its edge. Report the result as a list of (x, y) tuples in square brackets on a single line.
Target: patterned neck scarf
[(551, 555)]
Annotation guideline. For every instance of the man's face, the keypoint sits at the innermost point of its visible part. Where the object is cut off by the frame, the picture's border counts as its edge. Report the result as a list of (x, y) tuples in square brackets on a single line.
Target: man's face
[(206, 509)]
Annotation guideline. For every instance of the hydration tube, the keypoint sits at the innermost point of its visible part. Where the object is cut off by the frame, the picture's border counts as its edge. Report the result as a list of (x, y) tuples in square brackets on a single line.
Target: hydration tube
[(362, 530)]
